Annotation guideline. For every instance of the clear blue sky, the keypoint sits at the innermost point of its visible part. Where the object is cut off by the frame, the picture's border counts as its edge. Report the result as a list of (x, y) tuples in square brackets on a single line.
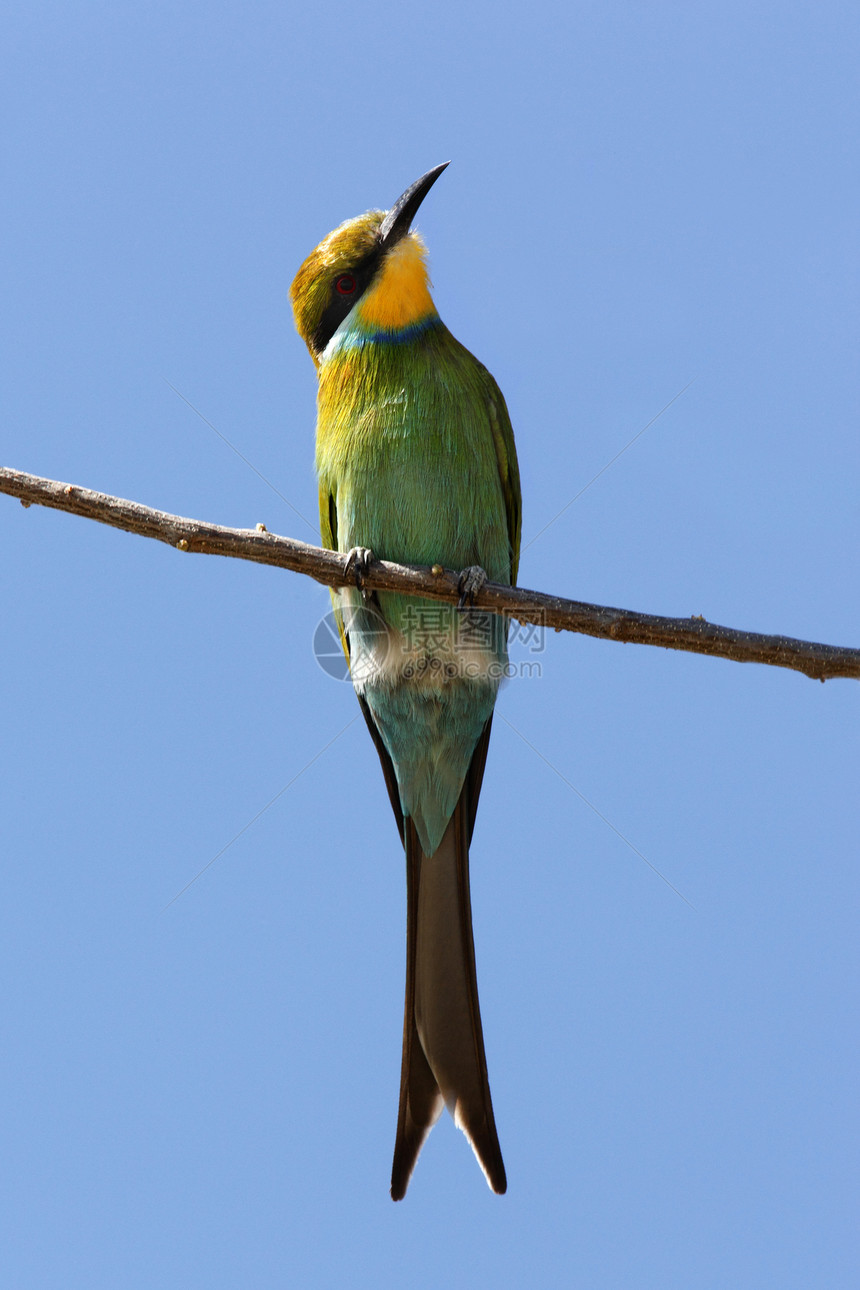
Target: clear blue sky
[(205, 1096)]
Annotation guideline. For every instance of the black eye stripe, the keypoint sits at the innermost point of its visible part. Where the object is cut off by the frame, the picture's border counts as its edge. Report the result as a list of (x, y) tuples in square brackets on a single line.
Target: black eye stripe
[(344, 292)]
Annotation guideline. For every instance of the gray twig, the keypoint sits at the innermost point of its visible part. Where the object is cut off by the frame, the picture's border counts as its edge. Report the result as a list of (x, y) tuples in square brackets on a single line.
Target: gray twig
[(694, 634)]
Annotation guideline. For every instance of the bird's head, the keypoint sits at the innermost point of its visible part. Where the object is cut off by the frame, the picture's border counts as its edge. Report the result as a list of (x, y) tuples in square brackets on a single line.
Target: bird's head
[(374, 264)]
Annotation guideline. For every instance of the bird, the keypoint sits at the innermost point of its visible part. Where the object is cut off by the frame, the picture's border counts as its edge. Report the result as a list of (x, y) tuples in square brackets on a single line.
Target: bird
[(416, 463)]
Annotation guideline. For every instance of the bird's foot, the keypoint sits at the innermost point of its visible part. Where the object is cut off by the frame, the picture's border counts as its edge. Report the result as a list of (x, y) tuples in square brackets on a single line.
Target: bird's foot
[(358, 562), (469, 583)]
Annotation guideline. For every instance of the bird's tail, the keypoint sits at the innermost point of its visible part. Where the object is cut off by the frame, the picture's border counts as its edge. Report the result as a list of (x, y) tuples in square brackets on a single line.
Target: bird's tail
[(443, 1045)]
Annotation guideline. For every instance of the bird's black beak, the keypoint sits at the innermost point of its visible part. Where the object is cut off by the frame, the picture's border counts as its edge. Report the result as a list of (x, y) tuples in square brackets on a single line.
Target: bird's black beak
[(397, 221)]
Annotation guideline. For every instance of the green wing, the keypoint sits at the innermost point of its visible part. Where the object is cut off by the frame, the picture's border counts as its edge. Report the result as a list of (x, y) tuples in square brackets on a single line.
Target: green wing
[(328, 533), (509, 472)]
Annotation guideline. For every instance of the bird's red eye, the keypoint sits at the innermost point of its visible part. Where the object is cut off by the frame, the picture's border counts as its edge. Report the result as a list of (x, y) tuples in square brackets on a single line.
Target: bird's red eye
[(345, 284)]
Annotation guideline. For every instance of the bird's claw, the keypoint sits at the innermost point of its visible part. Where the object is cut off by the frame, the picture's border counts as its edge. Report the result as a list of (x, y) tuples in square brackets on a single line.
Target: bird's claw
[(358, 562), (469, 583)]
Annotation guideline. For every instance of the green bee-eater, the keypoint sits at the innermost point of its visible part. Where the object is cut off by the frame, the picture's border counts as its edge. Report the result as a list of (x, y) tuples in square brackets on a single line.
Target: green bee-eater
[(416, 463)]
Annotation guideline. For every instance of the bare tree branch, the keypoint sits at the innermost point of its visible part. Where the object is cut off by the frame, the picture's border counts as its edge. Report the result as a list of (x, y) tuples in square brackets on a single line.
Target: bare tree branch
[(692, 634)]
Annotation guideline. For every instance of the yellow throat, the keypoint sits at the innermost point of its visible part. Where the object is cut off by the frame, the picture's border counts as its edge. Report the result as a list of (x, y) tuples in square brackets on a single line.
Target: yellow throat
[(400, 296)]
